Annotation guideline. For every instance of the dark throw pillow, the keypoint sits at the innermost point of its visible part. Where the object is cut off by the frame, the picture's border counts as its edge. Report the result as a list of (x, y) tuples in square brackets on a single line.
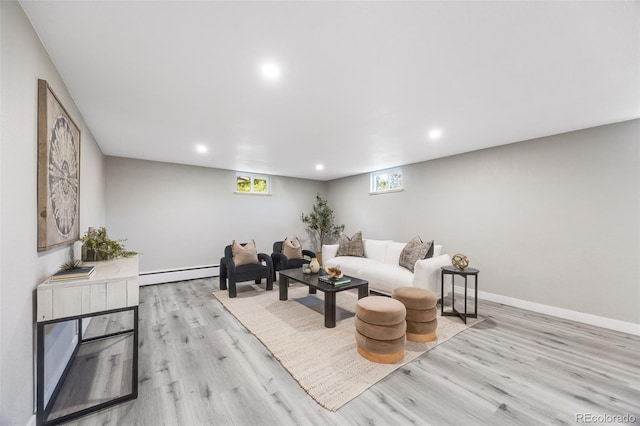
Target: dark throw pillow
[(351, 246), (415, 250)]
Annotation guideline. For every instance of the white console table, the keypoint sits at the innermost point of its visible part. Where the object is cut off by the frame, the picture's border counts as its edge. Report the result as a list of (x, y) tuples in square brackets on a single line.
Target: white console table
[(112, 288)]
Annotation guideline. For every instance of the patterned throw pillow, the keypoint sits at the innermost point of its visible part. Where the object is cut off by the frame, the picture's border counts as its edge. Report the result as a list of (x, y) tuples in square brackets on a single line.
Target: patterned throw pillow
[(351, 246), (292, 249), (244, 255), (415, 250)]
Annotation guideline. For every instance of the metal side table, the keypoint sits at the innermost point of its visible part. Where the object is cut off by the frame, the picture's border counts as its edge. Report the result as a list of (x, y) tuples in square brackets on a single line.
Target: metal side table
[(453, 271)]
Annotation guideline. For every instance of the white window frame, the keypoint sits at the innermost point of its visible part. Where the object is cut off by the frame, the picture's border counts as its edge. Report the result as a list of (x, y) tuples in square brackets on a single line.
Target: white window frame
[(373, 187), (253, 177)]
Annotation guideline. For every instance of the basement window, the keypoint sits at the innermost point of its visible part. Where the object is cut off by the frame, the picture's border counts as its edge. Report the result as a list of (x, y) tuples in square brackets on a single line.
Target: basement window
[(249, 183), (386, 181)]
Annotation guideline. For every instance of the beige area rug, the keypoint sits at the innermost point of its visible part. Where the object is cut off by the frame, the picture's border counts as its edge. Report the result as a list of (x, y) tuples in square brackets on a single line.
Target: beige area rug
[(322, 360)]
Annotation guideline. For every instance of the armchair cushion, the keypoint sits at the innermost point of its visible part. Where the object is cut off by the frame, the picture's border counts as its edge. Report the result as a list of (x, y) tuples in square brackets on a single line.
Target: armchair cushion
[(415, 250), (351, 246), (244, 255), (292, 249)]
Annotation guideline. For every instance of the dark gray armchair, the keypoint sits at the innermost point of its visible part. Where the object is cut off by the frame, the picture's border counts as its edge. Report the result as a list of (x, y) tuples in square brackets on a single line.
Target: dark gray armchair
[(281, 262), (253, 272)]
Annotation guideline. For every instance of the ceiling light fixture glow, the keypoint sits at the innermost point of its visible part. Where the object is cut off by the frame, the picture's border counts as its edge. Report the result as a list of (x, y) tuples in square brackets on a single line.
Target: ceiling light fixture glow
[(270, 71), (435, 134), (201, 149), (319, 167)]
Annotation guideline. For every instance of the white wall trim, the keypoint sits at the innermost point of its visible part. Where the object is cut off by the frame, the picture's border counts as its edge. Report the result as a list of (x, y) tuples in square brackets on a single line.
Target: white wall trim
[(32, 421), (182, 274), (604, 322)]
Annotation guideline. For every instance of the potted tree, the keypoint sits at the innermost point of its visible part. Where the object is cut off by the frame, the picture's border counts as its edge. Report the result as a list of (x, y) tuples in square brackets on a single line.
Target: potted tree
[(321, 223)]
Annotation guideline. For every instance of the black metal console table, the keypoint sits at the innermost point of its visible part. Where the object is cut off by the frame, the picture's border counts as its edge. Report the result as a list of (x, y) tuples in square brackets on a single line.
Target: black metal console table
[(111, 289)]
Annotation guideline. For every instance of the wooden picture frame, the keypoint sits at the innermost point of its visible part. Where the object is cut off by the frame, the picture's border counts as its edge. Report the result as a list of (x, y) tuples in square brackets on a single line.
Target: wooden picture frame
[(58, 172)]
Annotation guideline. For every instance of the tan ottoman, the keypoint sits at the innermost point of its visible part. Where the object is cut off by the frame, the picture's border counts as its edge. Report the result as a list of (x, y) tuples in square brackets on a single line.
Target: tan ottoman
[(380, 329), (421, 312)]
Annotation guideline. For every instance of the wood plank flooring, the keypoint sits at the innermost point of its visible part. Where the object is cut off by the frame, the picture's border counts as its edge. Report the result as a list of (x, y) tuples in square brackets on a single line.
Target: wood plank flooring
[(199, 366)]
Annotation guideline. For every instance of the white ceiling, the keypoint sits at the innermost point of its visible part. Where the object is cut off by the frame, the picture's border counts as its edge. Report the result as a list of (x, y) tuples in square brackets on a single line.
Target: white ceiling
[(362, 82)]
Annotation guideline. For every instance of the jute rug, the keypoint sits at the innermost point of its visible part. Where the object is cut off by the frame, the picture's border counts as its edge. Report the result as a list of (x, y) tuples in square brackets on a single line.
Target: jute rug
[(322, 360)]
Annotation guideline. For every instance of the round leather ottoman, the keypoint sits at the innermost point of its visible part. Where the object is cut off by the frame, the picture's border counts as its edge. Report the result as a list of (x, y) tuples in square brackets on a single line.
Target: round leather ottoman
[(380, 329), (421, 312)]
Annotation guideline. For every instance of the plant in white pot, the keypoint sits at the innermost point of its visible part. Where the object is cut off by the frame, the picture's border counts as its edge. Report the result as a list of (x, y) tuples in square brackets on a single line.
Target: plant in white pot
[(321, 223)]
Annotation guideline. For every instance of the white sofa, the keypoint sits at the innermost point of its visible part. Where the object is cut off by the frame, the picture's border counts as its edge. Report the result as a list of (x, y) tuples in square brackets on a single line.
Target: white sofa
[(380, 266)]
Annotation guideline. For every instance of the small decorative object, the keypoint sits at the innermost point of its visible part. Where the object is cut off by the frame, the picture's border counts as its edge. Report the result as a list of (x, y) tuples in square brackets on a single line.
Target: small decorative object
[(334, 273), (314, 265), (460, 261), (98, 246), (71, 265), (306, 269), (58, 172)]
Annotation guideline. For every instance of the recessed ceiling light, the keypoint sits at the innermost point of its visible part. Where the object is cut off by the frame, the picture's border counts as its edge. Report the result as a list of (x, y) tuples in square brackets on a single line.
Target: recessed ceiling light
[(201, 149), (319, 167), (270, 71), (435, 134)]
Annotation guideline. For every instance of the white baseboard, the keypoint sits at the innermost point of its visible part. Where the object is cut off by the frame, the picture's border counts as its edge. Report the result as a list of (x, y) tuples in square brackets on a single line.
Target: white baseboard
[(604, 322), (172, 275)]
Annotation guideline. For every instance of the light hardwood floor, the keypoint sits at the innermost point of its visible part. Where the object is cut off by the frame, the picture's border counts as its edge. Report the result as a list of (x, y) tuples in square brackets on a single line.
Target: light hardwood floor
[(199, 366)]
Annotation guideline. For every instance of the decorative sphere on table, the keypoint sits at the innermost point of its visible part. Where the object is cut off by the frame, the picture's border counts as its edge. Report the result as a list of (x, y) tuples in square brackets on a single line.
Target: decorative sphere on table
[(460, 261)]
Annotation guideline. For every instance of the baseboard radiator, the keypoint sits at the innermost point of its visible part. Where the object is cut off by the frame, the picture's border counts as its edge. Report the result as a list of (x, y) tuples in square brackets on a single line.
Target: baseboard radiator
[(182, 274)]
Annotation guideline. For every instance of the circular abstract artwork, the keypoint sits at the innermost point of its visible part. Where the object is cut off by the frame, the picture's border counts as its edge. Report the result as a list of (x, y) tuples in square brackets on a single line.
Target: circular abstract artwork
[(64, 173)]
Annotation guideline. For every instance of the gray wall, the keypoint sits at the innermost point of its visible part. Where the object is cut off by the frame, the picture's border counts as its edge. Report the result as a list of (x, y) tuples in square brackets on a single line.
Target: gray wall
[(23, 61), (554, 221), (181, 216)]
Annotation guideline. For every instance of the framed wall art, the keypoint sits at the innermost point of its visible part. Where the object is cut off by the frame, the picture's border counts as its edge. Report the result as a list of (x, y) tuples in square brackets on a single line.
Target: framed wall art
[(58, 172)]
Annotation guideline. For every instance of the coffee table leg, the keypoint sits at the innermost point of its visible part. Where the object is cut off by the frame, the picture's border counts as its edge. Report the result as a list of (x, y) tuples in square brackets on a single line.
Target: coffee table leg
[(283, 285), (312, 290), (363, 291), (329, 309)]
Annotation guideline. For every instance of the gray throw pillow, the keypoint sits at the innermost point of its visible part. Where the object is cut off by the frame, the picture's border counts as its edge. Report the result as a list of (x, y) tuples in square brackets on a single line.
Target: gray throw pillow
[(415, 250), (351, 246)]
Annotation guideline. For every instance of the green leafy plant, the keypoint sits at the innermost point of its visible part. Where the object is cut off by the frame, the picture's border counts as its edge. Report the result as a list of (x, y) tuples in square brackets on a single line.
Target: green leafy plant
[(321, 221), (98, 246)]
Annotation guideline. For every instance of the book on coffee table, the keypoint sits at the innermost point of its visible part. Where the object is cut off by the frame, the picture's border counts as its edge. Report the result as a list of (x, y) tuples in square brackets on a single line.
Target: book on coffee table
[(336, 281)]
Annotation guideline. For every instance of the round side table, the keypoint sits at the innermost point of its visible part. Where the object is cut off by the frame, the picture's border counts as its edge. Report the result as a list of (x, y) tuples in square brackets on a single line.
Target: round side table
[(453, 271)]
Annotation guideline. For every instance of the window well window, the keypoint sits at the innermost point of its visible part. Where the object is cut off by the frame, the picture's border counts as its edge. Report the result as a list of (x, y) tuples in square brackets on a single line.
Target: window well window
[(386, 181), (249, 183)]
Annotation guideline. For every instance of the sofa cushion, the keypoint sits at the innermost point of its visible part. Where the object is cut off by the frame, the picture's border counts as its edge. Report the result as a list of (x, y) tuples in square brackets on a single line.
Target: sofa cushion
[(292, 249), (392, 256), (376, 249), (351, 265), (384, 278), (244, 255), (351, 246), (415, 250), (329, 251)]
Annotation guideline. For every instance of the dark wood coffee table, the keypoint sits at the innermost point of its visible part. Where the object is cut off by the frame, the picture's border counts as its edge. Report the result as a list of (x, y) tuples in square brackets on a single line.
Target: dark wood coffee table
[(329, 290)]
